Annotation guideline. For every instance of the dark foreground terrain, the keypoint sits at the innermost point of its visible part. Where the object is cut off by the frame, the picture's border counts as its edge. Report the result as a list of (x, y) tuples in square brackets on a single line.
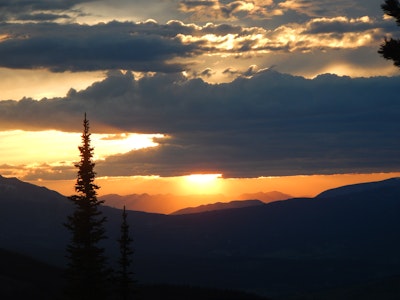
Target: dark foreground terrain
[(24, 278), (342, 244)]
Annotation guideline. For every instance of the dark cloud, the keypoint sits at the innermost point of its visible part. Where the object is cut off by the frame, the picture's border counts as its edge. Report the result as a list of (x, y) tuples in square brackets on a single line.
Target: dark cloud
[(146, 46), (270, 124), (37, 9), (48, 172), (76, 47), (230, 71), (207, 73), (248, 73), (18, 5), (43, 17), (190, 4)]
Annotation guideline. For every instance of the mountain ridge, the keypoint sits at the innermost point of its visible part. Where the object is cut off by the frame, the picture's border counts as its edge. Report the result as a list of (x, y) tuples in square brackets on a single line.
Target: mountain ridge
[(277, 249), (234, 204), (359, 187), (170, 203)]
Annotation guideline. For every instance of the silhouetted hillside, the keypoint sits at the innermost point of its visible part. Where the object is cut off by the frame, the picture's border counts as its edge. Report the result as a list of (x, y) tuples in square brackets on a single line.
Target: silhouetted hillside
[(279, 249), (218, 206), (31, 219), (22, 278), (360, 188)]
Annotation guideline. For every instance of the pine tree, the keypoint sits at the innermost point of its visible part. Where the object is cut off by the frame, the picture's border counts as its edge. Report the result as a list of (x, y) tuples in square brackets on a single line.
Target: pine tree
[(390, 49), (125, 275), (87, 273)]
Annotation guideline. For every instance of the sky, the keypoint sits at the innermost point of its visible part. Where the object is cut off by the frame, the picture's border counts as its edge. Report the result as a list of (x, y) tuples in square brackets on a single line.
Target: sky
[(264, 94)]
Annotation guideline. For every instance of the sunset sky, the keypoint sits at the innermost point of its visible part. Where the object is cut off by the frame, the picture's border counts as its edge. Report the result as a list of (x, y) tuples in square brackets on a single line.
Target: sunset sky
[(266, 94)]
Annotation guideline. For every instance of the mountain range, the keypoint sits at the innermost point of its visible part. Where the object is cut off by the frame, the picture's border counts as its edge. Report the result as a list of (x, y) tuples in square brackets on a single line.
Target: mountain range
[(169, 203), (344, 237)]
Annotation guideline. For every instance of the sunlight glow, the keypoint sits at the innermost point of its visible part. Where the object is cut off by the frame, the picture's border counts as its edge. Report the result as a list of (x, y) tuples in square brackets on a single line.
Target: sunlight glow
[(203, 178), (30, 149), (231, 188), (107, 145), (37, 84), (201, 184)]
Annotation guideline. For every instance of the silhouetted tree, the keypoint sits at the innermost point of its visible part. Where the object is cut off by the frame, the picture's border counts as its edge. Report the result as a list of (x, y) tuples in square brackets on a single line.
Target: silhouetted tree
[(125, 279), (390, 49), (87, 273)]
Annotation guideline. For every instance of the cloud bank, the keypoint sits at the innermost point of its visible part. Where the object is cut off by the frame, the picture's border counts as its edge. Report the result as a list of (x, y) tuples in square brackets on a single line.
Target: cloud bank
[(177, 46), (267, 125), (260, 122)]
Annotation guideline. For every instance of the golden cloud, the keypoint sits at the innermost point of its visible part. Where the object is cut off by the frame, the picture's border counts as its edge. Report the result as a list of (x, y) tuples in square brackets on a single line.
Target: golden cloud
[(317, 34)]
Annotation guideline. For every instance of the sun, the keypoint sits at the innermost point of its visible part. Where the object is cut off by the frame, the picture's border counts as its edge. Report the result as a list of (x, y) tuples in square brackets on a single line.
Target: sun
[(203, 178), (202, 183)]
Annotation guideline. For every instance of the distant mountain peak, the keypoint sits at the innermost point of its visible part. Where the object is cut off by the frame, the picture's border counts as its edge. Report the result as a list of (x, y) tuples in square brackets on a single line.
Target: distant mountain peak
[(13, 189)]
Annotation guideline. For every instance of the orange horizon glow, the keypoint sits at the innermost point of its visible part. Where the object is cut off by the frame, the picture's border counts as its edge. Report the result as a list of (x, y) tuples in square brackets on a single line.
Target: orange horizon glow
[(295, 186), (61, 149)]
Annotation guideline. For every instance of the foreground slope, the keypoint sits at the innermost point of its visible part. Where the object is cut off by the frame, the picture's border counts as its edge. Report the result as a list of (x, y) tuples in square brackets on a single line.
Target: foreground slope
[(22, 277), (288, 247)]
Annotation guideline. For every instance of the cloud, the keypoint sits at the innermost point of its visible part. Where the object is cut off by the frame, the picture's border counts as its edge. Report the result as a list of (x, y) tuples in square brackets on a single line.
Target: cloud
[(339, 25), (260, 123), (315, 35), (269, 124), (76, 47), (248, 73), (45, 172), (286, 11), (35, 10), (229, 10), (318, 8), (39, 171), (177, 46)]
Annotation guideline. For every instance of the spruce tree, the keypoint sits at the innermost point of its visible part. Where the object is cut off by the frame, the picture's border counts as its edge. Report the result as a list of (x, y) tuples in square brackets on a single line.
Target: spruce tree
[(87, 273), (125, 279), (390, 49)]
